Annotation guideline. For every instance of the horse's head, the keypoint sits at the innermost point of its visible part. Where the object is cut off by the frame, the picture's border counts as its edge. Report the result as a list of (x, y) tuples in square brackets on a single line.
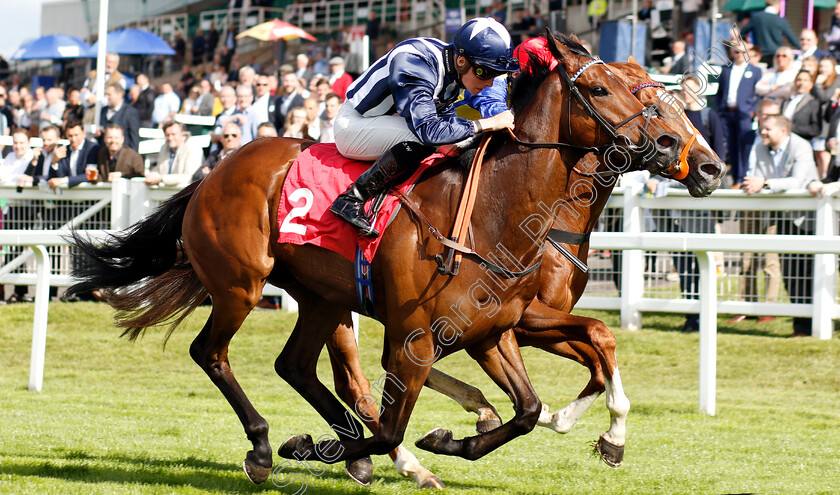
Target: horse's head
[(696, 165), (617, 120)]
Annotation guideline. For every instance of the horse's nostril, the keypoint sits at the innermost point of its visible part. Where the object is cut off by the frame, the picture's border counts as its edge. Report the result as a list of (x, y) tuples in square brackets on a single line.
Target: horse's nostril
[(666, 141), (711, 169)]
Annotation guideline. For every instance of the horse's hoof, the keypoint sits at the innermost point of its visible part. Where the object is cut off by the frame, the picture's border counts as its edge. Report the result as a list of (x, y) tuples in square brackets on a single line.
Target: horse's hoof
[(361, 470), (302, 444), (433, 483), (487, 425), (256, 473), (613, 455), (432, 441)]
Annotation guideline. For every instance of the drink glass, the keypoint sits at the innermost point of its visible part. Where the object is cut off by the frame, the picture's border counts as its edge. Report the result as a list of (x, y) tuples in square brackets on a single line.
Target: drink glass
[(91, 172)]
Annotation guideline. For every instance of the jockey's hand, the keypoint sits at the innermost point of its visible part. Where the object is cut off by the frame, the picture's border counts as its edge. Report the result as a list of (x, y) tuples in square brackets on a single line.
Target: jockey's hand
[(498, 122)]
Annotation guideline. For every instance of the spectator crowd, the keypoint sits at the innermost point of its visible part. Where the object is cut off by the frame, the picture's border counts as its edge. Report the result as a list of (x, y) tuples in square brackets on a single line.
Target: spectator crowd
[(774, 120)]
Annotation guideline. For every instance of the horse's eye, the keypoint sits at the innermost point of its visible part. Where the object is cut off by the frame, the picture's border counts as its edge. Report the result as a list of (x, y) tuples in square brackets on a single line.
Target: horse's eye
[(600, 91)]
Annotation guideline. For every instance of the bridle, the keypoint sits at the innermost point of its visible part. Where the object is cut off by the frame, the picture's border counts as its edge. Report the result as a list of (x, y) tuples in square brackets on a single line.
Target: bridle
[(678, 170), (648, 112)]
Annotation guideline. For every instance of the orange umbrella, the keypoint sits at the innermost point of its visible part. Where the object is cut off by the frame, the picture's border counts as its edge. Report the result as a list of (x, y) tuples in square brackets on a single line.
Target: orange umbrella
[(274, 30)]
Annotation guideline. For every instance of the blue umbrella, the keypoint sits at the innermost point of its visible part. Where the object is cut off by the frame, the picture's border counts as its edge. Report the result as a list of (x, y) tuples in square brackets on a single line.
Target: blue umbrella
[(52, 46), (135, 42)]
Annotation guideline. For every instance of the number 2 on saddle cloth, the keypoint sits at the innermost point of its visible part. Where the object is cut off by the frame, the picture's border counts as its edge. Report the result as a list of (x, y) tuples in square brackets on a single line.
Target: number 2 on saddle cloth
[(313, 182)]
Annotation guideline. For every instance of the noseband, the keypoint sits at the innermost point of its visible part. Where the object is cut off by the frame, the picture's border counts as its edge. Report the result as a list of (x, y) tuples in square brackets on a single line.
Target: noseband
[(678, 170)]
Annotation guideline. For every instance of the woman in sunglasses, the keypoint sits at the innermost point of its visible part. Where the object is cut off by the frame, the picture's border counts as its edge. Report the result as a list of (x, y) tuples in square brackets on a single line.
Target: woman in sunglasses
[(401, 107)]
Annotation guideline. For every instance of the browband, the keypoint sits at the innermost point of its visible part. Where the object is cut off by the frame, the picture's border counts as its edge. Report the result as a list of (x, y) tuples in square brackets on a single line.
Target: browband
[(647, 85), (586, 66)]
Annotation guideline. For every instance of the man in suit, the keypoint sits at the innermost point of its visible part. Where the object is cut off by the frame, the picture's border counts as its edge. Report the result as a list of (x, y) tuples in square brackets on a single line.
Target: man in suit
[(736, 103), (802, 109), (71, 168), (768, 28), (781, 162), (179, 158), (227, 97), (206, 100), (44, 164), (302, 70), (808, 40), (120, 113), (681, 61), (146, 101), (290, 99), (112, 75), (263, 106), (115, 160)]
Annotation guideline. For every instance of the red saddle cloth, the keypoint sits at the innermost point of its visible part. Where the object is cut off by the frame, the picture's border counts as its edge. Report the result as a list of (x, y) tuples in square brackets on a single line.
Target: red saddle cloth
[(313, 182)]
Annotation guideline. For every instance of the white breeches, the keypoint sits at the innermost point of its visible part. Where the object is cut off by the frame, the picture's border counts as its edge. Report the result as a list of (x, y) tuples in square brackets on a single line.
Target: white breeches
[(368, 138)]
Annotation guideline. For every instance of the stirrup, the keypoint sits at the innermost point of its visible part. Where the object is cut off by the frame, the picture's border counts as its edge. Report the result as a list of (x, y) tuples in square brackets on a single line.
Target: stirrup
[(355, 216)]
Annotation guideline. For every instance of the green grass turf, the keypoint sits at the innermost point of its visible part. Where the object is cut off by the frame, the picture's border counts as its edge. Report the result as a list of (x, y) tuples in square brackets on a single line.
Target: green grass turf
[(118, 417)]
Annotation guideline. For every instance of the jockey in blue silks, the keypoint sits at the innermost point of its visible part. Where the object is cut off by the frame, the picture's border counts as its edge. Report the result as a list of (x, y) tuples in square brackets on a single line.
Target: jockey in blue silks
[(401, 107)]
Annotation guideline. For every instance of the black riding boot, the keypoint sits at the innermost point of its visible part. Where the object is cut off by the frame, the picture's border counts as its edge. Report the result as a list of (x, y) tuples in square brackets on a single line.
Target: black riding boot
[(391, 168)]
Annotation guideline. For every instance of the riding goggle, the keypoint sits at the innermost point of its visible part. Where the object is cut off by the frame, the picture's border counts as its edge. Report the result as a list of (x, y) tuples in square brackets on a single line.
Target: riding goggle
[(485, 73)]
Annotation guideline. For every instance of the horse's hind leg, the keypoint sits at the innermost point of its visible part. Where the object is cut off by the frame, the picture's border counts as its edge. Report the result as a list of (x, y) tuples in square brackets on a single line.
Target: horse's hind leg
[(353, 388), (469, 397), (210, 351), (553, 341), (404, 380), (539, 318)]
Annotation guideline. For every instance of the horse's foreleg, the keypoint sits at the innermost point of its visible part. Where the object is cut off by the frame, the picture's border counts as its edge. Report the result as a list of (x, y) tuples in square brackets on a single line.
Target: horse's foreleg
[(592, 332), (353, 388), (469, 397), (501, 360), (209, 350)]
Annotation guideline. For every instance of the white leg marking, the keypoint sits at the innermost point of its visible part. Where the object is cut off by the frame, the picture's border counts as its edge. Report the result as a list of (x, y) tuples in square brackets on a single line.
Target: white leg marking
[(563, 420), (618, 405), (408, 465)]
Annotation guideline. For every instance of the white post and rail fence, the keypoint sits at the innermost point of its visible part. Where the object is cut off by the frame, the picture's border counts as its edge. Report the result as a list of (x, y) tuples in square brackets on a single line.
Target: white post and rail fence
[(116, 206)]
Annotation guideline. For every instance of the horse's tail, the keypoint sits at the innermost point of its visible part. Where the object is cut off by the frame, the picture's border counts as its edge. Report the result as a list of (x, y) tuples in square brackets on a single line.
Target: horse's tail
[(143, 272)]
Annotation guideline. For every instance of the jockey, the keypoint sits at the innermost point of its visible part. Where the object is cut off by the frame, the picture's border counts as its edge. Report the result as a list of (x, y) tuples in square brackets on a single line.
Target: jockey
[(401, 107), (494, 99)]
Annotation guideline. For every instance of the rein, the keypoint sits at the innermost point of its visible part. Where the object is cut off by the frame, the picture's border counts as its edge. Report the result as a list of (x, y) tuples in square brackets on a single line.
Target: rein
[(450, 266), (464, 250)]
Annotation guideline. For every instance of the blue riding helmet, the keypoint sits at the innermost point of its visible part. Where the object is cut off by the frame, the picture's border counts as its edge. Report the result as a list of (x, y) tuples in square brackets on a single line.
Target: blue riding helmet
[(487, 45)]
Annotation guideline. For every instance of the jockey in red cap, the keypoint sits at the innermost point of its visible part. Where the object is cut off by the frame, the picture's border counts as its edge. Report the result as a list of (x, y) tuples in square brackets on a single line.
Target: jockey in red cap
[(534, 47)]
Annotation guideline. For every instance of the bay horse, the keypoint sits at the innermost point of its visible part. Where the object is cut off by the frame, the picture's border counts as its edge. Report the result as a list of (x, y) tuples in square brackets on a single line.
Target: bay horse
[(218, 237), (585, 340)]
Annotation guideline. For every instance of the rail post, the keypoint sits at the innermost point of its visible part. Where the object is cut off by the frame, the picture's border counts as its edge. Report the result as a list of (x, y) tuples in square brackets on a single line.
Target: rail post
[(39, 324)]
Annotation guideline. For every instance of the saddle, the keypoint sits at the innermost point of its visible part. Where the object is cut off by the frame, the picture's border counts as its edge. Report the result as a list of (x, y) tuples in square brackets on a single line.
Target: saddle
[(313, 182)]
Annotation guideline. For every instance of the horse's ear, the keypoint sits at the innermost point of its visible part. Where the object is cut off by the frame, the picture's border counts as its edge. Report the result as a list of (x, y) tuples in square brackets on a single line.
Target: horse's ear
[(551, 42)]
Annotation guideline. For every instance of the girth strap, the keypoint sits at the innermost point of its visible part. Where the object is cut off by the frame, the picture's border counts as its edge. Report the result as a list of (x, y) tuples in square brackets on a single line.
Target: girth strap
[(364, 285), (465, 251), (559, 237), (566, 237)]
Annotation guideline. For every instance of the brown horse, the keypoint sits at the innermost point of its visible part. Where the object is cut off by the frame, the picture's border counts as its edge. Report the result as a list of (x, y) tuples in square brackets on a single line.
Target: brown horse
[(585, 340), (219, 237)]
